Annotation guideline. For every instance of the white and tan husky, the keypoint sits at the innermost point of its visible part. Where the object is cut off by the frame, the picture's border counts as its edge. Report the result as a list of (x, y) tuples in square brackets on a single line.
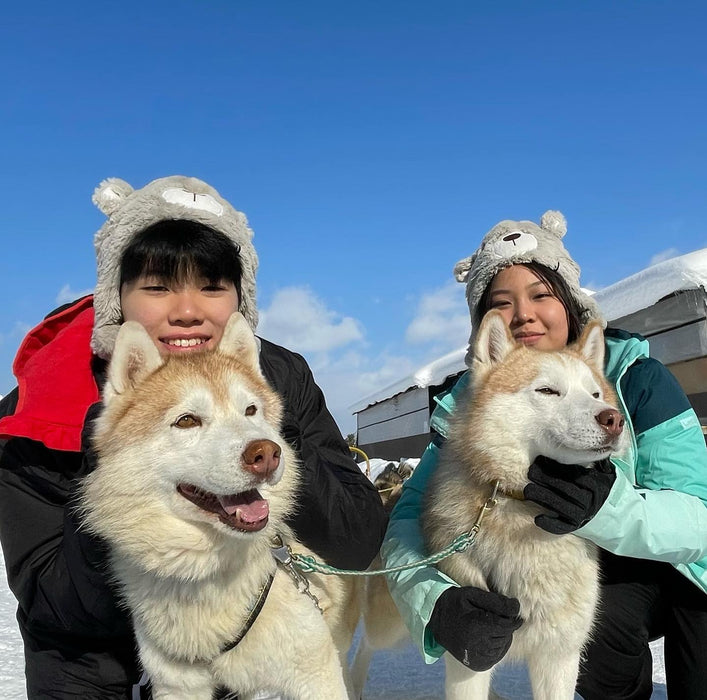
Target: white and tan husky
[(524, 403), (193, 483)]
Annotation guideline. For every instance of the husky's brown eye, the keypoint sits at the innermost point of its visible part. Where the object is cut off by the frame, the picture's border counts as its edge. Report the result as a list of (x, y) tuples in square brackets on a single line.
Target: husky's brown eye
[(251, 410), (187, 421), (547, 390), (596, 394)]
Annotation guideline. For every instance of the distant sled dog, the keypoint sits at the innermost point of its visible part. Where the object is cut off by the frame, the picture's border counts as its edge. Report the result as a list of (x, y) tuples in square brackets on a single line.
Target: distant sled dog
[(193, 483), (389, 482), (523, 403)]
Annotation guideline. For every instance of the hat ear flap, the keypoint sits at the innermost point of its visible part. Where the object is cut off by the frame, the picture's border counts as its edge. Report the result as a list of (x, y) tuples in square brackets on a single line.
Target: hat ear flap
[(109, 195), (554, 222), (461, 269)]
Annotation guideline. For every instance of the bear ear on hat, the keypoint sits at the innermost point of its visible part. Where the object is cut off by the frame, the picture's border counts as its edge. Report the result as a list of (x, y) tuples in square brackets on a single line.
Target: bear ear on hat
[(461, 269), (554, 222), (109, 195)]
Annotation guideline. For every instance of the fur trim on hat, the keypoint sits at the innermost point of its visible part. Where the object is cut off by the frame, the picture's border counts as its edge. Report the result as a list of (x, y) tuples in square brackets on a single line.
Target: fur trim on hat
[(513, 242), (130, 211)]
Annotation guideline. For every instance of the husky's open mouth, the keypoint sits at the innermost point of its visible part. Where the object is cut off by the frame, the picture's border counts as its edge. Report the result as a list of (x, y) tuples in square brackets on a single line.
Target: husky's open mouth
[(247, 511)]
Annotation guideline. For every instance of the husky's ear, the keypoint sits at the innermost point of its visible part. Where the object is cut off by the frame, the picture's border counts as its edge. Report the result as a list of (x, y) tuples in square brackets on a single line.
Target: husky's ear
[(134, 357), (591, 345), (238, 341), (493, 342)]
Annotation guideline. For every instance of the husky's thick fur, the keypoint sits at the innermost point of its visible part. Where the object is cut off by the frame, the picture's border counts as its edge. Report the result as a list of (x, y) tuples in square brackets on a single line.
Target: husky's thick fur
[(193, 483), (523, 403)]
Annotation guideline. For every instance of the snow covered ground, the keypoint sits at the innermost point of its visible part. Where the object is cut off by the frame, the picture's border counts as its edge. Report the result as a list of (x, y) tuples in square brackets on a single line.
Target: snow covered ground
[(12, 680), (397, 674), (401, 675)]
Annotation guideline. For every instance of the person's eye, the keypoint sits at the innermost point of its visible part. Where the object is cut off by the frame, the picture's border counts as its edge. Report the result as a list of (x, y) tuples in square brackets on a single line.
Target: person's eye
[(155, 288), (542, 298), (219, 286), (500, 304)]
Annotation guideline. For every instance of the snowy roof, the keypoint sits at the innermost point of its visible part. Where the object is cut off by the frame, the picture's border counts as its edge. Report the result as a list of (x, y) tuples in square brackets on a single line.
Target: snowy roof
[(625, 297), (649, 286), (431, 374)]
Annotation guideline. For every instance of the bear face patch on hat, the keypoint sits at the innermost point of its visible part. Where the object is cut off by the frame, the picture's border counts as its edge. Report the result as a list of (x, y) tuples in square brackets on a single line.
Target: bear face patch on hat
[(516, 242), (130, 211)]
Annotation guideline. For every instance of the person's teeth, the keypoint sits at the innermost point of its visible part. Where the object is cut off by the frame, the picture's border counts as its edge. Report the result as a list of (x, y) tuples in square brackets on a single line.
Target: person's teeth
[(185, 343)]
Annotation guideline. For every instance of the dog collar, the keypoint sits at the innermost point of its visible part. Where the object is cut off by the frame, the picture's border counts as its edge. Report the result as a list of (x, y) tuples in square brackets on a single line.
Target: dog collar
[(252, 615), (250, 619), (515, 495)]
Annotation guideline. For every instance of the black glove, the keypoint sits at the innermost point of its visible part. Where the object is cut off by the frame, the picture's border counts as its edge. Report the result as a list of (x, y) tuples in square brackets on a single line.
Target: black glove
[(571, 493), (475, 626)]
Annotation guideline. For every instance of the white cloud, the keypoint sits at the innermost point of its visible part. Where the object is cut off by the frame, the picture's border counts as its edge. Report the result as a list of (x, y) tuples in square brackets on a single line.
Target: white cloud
[(66, 295), (347, 368), (20, 329), (353, 376), (300, 321), (442, 318), (334, 347), (16, 334), (665, 255)]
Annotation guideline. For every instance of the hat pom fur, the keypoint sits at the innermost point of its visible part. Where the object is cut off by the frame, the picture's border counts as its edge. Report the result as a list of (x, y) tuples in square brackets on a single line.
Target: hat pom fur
[(109, 195), (555, 222), (461, 269)]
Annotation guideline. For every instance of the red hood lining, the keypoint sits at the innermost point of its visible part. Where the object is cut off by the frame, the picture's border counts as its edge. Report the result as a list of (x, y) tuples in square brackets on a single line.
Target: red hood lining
[(55, 381)]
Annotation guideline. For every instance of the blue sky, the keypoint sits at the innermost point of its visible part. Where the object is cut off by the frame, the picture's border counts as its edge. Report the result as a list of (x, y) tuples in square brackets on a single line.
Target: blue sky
[(370, 144)]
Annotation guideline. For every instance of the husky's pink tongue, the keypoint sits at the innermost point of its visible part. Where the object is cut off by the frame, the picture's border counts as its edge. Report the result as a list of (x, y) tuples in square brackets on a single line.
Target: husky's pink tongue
[(248, 507)]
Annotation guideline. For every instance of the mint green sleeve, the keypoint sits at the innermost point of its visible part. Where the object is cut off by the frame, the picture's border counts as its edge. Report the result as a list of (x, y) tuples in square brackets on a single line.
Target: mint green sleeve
[(663, 516), (415, 591)]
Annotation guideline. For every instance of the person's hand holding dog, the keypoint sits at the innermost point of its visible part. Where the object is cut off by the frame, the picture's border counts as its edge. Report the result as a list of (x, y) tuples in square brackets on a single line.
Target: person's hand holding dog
[(474, 625), (571, 493)]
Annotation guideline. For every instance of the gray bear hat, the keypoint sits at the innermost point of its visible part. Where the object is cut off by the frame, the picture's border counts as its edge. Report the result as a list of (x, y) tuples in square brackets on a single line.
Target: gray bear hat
[(130, 211), (512, 242)]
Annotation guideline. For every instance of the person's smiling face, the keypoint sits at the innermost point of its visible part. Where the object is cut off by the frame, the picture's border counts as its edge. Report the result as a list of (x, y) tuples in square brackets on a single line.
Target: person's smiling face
[(180, 316), (534, 314)]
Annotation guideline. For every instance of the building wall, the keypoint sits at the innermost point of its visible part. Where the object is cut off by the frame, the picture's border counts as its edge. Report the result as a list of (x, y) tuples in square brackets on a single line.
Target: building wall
[(692, 376), (410, 447), (400, 425), (676, 329), (401, 416)]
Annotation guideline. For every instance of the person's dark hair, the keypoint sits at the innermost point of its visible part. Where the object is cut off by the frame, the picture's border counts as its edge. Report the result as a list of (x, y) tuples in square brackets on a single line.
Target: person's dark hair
[(179, 250), (557, 285)]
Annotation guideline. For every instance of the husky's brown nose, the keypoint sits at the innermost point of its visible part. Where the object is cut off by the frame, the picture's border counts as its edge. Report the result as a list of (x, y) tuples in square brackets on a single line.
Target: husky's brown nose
[(611, 420), (261, 457)]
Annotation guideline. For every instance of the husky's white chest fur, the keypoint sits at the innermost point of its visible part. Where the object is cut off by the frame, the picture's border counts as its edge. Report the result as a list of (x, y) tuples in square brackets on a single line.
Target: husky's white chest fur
[(193, 483), (523, 403)]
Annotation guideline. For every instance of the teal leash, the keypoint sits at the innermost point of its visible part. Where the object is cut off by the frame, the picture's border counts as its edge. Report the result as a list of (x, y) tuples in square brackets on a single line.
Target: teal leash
[(308, 565)]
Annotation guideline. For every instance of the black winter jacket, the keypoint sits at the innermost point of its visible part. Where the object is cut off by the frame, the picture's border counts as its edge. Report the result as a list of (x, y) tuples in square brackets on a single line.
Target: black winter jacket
[(78, 641)]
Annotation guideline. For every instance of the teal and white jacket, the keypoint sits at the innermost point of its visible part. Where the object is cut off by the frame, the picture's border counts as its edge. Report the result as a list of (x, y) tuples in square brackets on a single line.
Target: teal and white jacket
[(657, 507)]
